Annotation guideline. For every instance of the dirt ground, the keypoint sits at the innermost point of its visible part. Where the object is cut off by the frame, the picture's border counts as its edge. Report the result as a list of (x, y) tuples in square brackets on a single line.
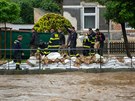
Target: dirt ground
[(75, 86)]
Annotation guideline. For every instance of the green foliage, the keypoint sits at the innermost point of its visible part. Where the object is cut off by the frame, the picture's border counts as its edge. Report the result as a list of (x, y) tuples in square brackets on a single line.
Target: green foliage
[(27, 11), (8, 11), (51, 20), (50, 5), (120, 11)]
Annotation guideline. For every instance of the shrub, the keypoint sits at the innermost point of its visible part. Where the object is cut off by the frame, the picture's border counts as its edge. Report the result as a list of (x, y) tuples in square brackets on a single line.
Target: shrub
[(51, 20)]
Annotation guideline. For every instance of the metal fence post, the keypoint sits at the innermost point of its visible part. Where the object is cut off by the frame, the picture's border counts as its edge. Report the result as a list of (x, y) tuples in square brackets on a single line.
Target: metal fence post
[(131, 63), (70, 56), (100, 59)]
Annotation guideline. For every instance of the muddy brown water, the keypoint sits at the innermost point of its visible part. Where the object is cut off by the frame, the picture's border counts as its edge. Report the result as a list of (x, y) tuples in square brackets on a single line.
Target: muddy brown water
[(75, 86)]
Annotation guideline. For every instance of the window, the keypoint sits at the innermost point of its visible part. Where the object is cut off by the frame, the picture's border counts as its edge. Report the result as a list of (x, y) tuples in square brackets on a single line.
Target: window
[(89, 10), (89, 21), (89, 17)]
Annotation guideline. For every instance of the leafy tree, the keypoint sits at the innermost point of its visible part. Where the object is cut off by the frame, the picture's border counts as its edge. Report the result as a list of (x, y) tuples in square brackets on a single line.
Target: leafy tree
[(121, 11), (8, 11), (60, 3), (51, 20), (50, 5), (27, 11)]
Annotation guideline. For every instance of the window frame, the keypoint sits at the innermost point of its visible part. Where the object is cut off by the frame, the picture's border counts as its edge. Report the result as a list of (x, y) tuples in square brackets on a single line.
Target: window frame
[(96, 14)]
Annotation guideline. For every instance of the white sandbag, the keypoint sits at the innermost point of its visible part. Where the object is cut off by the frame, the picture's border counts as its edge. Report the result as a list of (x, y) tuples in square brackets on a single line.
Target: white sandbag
[(54, 55), (73, 58), (98, 57), (81, 37), (66, 61), (32, 60)]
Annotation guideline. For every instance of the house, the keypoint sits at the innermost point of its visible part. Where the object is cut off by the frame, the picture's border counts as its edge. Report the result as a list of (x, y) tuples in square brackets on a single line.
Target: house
[(84, 15)]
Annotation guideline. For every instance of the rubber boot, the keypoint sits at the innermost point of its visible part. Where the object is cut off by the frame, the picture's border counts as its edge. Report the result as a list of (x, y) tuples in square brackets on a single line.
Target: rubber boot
[(18, 67)]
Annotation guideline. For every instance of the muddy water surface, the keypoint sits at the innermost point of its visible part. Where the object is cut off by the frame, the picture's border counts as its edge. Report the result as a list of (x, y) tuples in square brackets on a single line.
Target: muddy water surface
[(68, 87)]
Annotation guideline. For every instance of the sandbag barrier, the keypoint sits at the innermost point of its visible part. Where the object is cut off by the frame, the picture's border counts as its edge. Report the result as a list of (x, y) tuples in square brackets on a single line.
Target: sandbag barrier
[(90, 63)]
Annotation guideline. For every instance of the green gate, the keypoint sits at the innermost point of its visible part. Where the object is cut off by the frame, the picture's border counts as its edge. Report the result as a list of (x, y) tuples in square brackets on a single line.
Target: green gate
[(7, 38)]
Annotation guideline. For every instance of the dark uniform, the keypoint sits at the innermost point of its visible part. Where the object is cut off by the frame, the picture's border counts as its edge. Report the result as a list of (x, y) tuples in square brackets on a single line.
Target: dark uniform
[(72, 41), (101, 38), (42, 49), (92, 38), (62, 38), (54, 42), (17, 53), (86, 46), (34, 42)]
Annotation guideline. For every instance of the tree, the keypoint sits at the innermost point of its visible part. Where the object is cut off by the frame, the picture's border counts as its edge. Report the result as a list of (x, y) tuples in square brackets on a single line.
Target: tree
[(121, 11), (60, 3), (8, 11), (27, 8), (50, 5), (27, 12), (51, 20)]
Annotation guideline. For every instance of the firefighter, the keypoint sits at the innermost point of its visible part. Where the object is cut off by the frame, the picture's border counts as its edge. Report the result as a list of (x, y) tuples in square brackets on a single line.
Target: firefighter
[(62, 40), (18, 53), (92, 38), (62, 37), (86, 45), (42, 49), (100, 37), (72, 40), (54, 42), (34, 42)]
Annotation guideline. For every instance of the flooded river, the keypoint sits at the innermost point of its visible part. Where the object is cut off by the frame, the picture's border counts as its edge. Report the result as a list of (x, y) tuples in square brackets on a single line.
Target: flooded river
[(75, 86)]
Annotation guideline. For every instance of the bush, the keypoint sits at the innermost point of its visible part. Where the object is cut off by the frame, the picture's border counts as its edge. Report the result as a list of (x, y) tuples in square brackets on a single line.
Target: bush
[(51, 20)]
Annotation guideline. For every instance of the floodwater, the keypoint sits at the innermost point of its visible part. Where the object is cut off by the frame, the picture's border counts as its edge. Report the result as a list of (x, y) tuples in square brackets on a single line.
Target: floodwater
[(75, 86)]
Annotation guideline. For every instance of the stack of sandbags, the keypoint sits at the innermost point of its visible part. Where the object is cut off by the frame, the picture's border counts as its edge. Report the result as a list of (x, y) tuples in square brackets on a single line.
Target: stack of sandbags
[(38, 56), (88, 60), (33, 61), (129, 61), (77, 62), (54, 57), (120, 59), (98, 58), (2, 62)]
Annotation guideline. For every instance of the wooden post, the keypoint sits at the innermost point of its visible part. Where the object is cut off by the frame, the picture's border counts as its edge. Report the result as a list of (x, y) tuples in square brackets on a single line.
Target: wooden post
[(108, 45), (5, 43), (0, 42), (10, 43)]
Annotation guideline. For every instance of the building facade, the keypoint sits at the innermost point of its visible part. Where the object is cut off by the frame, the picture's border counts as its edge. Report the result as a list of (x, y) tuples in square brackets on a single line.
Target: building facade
[(84, 15)]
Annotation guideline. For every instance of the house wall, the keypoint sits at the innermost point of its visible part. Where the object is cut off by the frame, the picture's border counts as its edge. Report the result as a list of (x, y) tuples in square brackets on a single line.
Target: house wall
[(38, 13), (102, 22), (76, 10), (71, 2), (73, 15)]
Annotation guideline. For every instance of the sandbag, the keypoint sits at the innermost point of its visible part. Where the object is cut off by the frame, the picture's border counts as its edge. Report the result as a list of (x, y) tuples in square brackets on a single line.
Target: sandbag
[(97, 45), (53, 56)]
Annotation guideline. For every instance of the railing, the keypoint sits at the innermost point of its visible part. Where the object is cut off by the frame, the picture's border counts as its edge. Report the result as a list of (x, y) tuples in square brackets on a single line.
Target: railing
[(40, 65), (119, 47)]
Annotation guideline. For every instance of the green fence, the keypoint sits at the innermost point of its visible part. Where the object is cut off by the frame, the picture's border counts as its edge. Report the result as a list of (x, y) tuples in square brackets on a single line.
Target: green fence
[(7, 38)]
